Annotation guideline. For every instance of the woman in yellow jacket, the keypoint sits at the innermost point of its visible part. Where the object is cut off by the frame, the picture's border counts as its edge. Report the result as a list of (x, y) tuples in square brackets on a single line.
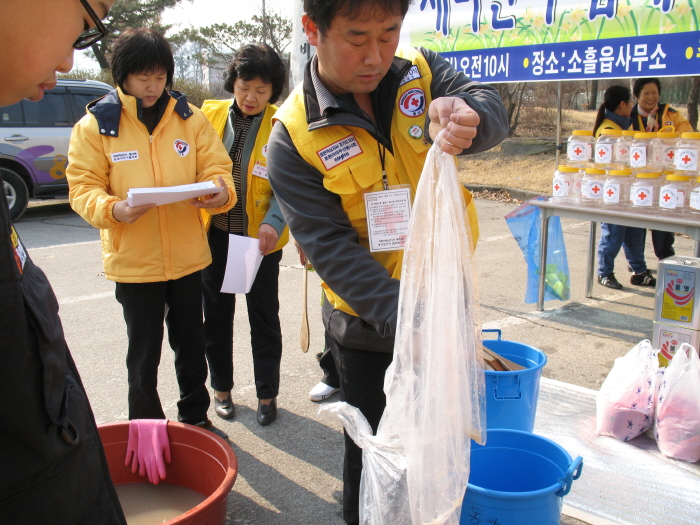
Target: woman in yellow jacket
[(650, 115), (256, 77), (141, 135)]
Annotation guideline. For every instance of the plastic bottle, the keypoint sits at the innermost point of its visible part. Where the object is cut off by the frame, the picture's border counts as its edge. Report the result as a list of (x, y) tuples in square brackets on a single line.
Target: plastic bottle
[(604, 146), (592, 187), (674, 193), (694, 201), (616, 192), (687, 153), (563, 184), (663, 148), (621, 150), (579, 149), (643, 189), (641, 158)]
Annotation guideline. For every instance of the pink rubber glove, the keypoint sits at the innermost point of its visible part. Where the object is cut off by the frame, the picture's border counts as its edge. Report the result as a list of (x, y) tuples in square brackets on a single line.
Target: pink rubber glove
[(132, 446), (153, 448)]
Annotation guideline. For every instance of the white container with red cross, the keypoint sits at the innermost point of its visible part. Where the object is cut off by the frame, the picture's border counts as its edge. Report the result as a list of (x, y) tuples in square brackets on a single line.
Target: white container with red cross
[(579, 148), (592, 186), (621, 151), (643, 190), (663, 148), (694, 201), (616, 192), (641, 157), (603, 152), (687, 153), (674, 193), (563, 185)]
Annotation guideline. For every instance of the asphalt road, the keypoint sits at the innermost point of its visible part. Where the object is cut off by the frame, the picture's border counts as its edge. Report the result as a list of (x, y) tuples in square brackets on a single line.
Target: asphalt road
[(291, 471)]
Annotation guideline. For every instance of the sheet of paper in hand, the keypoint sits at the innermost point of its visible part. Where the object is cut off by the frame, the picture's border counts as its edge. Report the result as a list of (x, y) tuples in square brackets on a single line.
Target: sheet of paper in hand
[(170, 194)]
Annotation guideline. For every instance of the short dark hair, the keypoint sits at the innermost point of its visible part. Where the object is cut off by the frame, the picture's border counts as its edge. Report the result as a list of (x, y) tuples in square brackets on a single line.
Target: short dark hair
[(141, 51), (322, 12), (641, 82), (257, 61)]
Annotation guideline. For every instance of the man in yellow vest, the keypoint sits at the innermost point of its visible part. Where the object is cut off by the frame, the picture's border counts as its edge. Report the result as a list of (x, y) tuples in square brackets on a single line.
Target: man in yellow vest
[(361, 123)]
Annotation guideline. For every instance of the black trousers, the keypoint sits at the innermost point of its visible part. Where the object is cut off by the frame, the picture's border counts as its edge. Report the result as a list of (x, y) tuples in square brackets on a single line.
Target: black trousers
[(263, 316), (179, 303), (663, 243), (327, 364), (361, 374)]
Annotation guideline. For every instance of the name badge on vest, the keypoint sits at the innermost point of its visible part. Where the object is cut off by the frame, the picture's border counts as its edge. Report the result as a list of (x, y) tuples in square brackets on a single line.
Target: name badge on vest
[(20, 252), (260, 171), (388, 216)]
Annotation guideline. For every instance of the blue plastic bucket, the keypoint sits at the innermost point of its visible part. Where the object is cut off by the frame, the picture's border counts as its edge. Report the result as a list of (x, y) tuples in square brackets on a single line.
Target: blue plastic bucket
[(518, 478), (511, 397)]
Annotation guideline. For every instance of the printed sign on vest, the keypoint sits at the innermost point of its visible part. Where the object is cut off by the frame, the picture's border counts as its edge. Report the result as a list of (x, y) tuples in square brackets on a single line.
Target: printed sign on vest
[(339, 152)]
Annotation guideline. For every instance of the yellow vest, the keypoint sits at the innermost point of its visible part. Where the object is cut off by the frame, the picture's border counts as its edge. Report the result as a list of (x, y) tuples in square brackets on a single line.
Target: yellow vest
[(348, 157), (258, 190), (606, 124)]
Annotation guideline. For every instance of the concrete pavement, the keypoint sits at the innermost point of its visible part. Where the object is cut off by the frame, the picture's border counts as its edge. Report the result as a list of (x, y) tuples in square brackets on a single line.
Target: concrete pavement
[(290, 472)]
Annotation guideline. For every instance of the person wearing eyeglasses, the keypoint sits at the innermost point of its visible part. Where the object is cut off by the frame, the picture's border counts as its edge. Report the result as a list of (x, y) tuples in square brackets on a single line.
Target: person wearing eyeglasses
[(52, 466), (34, 40)]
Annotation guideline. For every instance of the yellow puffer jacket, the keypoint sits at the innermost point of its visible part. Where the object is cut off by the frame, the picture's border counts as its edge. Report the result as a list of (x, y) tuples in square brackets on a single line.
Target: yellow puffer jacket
[(669, 117), (111, 152)]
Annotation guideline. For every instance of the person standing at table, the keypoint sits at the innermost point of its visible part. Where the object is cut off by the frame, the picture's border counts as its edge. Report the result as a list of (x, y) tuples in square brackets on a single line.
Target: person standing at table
[(614, 113), (53, 469), (651, 115), (256, 78), (362, 121), (143, 135)]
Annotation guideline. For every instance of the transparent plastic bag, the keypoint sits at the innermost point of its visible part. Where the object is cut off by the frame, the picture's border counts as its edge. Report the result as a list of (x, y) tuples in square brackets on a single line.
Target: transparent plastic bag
[(416, 469), (625, 403), (677, 420), (525, 225)]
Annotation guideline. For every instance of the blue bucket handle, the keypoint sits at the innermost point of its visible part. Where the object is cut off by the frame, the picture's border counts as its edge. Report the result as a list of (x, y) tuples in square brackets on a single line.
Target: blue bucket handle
[(497, 330), (573, 473)]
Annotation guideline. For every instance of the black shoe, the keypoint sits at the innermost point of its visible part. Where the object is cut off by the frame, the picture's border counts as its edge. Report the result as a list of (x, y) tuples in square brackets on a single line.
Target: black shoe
[(609, 281), (643, 279), (206, 423), (267, 413), (224, 409)]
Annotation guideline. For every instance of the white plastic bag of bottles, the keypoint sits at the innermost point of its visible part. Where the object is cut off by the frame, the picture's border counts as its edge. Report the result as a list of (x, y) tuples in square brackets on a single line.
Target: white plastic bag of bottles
[(625, 403), (677, 420), (416, 469)]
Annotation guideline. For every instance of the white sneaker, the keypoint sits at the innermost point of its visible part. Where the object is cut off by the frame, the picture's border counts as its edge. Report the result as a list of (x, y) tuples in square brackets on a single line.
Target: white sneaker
[(322, 391)]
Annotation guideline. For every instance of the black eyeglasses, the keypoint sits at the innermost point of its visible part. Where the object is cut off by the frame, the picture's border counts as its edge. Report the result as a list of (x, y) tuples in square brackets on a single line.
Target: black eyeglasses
[(90, 36)]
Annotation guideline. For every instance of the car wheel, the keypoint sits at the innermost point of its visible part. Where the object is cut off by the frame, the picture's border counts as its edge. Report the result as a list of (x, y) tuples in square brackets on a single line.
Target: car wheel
[(16, 193)]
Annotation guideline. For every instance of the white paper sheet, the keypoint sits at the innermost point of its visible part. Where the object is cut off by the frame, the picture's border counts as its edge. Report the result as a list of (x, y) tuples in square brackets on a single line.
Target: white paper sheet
[(169, 194), (242, 264)]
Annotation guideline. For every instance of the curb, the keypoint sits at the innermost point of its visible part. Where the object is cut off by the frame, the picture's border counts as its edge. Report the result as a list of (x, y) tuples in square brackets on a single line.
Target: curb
[(521, 195)]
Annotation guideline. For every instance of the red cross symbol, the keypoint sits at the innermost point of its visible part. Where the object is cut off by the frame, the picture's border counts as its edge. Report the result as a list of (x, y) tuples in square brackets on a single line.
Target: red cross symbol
[(624, 151), (611, 192), (601, 152), (414, 102), (686, 159), (636, 155), (595, 189), (666, 197), (643, 196), (578, 151), (556, 187), (670, 154)]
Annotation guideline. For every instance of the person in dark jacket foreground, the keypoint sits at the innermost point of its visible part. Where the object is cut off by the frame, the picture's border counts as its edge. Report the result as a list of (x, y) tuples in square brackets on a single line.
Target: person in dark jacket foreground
[(361, 123), (53, 468)]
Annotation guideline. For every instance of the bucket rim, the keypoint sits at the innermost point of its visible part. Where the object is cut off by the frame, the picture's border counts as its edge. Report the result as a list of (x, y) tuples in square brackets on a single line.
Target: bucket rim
[(224, 487), (551, 489), (528, 370)]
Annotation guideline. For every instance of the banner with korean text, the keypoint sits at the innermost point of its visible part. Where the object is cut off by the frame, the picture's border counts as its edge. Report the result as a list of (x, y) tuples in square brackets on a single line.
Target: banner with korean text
[(537, 40)]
